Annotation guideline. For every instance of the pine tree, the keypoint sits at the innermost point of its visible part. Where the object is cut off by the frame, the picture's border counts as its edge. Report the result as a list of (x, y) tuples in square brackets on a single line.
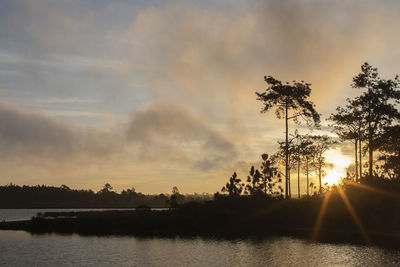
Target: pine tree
[(285, 98)]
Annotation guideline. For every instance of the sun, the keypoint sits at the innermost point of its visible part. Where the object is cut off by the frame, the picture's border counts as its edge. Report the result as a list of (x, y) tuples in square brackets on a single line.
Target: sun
[(333, 176), (339, 163)]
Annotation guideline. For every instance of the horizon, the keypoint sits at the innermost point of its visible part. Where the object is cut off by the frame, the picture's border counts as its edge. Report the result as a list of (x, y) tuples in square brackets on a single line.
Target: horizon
[(153, 95)]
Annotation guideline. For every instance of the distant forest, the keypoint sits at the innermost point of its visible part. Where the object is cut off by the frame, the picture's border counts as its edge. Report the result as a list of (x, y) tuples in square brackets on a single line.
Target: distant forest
[(42, 196)]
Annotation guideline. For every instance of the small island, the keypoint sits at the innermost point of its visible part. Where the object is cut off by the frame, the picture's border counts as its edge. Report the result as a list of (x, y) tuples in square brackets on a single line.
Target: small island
[(372, 218)]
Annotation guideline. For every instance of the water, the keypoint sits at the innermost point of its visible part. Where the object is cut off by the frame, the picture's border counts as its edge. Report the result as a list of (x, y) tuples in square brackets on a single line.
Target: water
[(19, 248), (27, 214)]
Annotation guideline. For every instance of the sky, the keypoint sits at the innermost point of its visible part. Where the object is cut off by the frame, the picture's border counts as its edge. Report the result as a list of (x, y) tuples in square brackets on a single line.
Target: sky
[(153, 94)]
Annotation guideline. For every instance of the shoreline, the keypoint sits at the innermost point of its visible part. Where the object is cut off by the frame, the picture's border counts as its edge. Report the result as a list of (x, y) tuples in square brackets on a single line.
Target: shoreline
[(92, 227)]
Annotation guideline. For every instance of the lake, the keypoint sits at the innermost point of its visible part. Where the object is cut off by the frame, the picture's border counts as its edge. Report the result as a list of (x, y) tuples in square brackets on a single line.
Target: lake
[(27, 214), (19, 248)]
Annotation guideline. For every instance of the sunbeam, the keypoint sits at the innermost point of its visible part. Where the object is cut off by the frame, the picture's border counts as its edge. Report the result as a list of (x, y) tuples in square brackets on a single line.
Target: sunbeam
[(354, 216), (374, 189), (320, 218)]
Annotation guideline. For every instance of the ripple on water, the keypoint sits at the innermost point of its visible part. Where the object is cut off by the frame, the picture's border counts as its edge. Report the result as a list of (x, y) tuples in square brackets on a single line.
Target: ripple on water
[(20, 248)]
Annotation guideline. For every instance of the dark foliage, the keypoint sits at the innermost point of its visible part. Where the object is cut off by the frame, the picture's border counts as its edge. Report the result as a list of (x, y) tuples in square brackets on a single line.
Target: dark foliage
[(233, 187), (389, 144), (377, 106), (285, 98), (245, 216), (41, 196)]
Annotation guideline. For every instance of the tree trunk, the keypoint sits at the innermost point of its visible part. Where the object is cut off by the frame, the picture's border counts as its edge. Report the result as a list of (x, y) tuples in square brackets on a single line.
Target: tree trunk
[(370, 135), (319, 177), (356, 161), (290, 186), (265, 184), (360, 155), (370, 157), (287, 152), (308, 185), (320, 182), (298, 177)]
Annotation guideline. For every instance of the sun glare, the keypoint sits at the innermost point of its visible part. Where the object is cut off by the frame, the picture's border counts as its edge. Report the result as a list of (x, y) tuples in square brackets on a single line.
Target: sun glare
[(339, 164), (333, 176)]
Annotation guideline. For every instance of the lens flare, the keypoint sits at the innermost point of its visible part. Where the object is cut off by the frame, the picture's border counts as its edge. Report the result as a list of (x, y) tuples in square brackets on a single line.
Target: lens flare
[(355, 216), (320, 218)]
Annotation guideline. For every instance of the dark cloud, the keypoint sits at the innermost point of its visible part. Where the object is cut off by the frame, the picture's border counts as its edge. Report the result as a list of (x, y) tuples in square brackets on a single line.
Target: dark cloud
[(29, 133), (159, 132), (163, 130)]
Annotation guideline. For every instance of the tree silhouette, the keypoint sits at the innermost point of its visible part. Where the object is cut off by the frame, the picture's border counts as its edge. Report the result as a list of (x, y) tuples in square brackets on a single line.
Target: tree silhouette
[(288, 97), (299, 151), (176, 197), (321, 143), (302, 151), (13, 196), (279, 157), (348, 126), (233, 187), (266, 182), (390, 151), (175, 190), (106, 189), (254, 181), (312, 186), (65, 187), (270, 177), (308, 154), (297, 147), (377, 105)]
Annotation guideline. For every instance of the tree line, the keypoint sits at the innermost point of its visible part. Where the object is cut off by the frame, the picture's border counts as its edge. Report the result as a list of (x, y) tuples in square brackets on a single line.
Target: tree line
[(370, 121), (42, 196)]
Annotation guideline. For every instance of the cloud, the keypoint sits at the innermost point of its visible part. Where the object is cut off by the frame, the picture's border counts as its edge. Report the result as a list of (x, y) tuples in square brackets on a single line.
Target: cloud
[(36, 148), (215, 59), (159, 132), (171, 132), (196, 64), (31, 133)]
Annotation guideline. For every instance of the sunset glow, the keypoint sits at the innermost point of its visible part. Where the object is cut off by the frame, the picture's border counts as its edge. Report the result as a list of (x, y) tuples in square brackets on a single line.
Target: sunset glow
[(199, 133), (339, 164), (172, 84), (333, 176)]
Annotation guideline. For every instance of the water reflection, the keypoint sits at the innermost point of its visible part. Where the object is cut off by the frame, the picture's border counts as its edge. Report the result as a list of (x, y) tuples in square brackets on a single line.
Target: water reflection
[(26, 214), (23, 249)]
